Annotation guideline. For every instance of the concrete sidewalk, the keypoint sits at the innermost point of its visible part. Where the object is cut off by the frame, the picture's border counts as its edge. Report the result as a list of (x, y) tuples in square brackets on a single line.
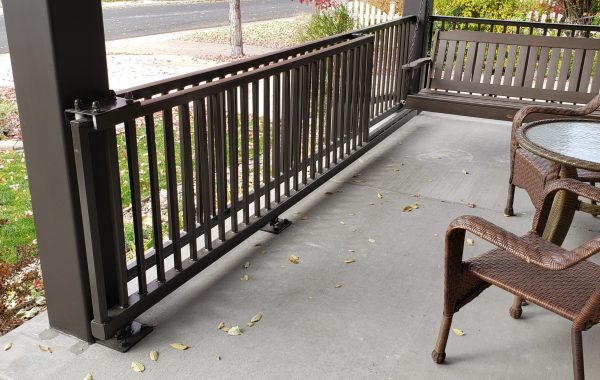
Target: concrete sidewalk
[(382, 322)]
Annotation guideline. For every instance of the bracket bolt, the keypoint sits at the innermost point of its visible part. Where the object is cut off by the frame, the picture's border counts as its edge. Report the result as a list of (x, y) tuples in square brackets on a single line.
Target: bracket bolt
[(96, 106), (77, 105)]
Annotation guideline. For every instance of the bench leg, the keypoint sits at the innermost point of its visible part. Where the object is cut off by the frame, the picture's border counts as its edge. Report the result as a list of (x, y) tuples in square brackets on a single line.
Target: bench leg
[(508, 211), (515, 310)]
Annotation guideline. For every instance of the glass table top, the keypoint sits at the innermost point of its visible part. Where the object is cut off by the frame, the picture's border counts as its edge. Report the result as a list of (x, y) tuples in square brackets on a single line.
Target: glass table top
[(575, 139)]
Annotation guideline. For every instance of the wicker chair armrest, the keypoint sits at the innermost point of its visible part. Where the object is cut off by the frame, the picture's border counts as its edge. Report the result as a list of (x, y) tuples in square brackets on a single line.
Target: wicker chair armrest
[(530, 247), (417, 63)]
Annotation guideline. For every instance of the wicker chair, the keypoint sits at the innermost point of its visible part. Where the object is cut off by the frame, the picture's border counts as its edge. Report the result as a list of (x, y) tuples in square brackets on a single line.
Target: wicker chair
[(531, 172), (561, 281)]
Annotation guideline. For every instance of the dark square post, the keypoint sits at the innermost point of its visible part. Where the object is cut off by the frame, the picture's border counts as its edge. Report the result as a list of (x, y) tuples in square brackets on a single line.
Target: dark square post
[(58, 54), (422, 9)]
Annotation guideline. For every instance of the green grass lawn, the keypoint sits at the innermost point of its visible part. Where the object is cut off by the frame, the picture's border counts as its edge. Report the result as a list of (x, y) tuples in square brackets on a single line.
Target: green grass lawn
[(17, 230)]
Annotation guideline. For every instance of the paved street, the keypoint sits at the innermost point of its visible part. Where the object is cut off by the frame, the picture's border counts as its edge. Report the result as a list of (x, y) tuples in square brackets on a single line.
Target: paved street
[(147, 19)]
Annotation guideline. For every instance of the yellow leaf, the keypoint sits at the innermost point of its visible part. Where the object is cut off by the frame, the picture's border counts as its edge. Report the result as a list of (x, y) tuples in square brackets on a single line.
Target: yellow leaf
[(464, 171), (137, 367), (45, 348), (247, 265), (245, 277), (371, 240), (179, 346), (218, 357), (410, 207), (342, 222), (458, 332), (256, 318), (154, 355), (379, 195), (250, 324), (7, 346), (221, 325), (88, 377), (294, 259), (234, 331), (470, 242), (351, 250), (337, 286), (349, 261)]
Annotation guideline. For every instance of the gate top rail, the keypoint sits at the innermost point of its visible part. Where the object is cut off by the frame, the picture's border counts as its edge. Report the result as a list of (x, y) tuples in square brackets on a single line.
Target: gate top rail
[(163, 87)]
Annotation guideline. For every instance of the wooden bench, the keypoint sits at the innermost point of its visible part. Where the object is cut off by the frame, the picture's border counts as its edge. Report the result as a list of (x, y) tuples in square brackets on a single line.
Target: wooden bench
[(493, 75)]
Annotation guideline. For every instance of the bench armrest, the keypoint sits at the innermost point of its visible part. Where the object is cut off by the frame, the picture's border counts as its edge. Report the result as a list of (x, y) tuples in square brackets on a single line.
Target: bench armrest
[(417, 63)]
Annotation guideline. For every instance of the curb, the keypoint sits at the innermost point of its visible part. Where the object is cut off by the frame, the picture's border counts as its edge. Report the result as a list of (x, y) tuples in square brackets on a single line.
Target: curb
[(10, 145)]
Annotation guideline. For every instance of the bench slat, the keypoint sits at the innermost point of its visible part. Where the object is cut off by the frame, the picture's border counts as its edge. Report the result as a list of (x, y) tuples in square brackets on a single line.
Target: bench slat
[(439, 62), (576, 72), (479, 63), (596, 80), (540, 75), (450, 59), (586, 71), (520, 74), (499, 66), (510, 65), (531, 66), (562, 77), (460, 59), (552, 69), (489, 63), (470, 62)]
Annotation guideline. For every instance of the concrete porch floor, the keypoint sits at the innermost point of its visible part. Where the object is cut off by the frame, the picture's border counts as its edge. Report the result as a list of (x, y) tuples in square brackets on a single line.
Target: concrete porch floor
[(382, 323)]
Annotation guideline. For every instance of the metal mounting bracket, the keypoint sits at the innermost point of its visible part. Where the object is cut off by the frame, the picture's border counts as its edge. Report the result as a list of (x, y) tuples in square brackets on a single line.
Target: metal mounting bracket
[(127, 337), (276, 226)]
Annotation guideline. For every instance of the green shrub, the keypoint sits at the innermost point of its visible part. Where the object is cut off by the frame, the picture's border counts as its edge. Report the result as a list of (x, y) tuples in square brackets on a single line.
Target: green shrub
[(327, 23)]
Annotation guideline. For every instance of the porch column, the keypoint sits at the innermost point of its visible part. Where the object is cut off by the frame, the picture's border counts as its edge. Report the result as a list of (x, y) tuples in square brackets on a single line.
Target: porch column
[(422, 9), (58, 54)]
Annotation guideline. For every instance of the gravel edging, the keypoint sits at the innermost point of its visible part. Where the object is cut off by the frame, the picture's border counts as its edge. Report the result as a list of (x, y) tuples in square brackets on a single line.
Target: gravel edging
[(10, 145)]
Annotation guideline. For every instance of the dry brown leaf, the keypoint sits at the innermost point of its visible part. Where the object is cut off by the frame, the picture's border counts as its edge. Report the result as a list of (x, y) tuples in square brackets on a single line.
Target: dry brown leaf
[(379, 195), (219, 357), (337, 286), (244, 278), (470, 242), (7, 346), (256, 318), (137, 367), (458, 332), (410, 207), (247, 265), (294, 259), (328, 193), (257, 244), (349, 261), (153, 355), (371, 240), (179, 346), (464, 171), (351, 250), (88, 376), (342, 222), (47, 349), (471, 205), (221, 325), (250, 324), (234, 331)]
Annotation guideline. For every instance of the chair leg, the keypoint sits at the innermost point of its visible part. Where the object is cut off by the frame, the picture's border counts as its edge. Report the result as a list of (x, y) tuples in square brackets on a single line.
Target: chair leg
[(439, 353), (508, 211), (515, 310), (577, 348)]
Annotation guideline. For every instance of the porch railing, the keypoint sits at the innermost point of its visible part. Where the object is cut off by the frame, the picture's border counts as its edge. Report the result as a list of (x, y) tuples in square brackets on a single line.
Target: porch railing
[(214, 156)]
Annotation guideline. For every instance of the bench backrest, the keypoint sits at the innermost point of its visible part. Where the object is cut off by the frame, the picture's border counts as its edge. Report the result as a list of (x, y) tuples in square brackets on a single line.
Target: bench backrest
[(559, 69)]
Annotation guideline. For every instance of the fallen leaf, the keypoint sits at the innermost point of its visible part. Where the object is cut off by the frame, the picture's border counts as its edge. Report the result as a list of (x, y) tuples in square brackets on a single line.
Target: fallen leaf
[(47, 349), (154, 355), (371, 204), (349, 261), (234, 331), (244, 278), (337, 286), (179, 346), (328, 193), (256, 318), (371, 240), (470, 242), (250, 324), (379, 195), (219, 357), (342, 222), (247, 265), (221, 325), (464, 171), (458, 332), (351, 250), (257, 244), (137, 367), (294, 259), (410, 207), (88, 376), (416, 195), (7, 346)]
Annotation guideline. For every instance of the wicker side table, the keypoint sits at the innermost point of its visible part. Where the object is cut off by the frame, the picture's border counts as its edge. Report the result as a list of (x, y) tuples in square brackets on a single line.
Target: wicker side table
[(572, 143)]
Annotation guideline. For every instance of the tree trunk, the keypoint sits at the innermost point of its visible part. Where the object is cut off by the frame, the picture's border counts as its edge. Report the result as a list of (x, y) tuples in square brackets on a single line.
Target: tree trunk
[(235, 28)]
